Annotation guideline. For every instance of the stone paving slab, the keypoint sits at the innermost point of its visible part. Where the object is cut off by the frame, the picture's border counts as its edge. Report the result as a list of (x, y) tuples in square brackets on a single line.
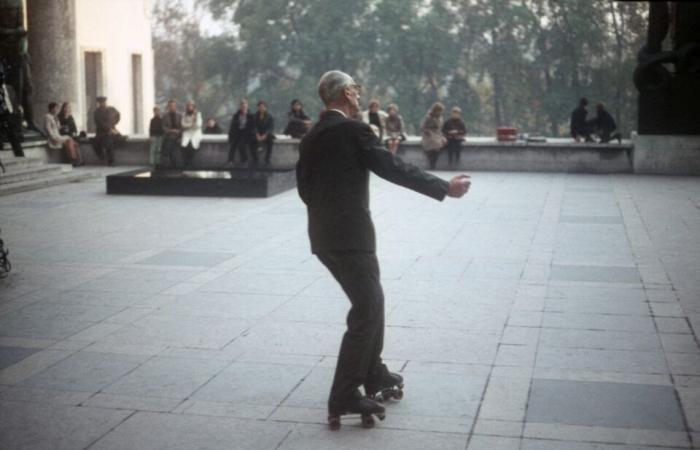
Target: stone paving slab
[(616, 405), (541, 312)]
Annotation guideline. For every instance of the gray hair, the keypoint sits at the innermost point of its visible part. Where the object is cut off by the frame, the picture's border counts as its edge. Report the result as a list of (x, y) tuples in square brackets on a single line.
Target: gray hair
[(331, 85)]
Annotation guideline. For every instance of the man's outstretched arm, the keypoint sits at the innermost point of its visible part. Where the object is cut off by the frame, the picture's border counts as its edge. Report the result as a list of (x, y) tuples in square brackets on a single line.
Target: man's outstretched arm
[(393, 169)]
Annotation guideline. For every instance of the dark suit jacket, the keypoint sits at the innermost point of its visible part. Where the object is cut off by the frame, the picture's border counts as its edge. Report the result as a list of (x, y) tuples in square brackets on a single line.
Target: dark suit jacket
[(604, 122), (578, 126), (105, 120), (235, 132), (68, 126), (335, 159), (265, 125)]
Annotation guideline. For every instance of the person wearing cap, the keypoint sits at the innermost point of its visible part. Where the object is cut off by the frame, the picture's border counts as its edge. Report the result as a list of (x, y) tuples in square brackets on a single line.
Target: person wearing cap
[(106, 119), (333, 173), (454, 130)]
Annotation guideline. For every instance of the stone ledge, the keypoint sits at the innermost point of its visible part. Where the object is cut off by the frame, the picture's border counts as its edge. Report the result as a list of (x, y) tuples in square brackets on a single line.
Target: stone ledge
[(477, 154), (667, 155)]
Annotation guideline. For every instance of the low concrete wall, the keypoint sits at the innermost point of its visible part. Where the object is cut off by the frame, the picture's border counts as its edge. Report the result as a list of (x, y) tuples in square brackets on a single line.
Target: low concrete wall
[(480, 154), (667, 155), (532, 157), (664, 155)]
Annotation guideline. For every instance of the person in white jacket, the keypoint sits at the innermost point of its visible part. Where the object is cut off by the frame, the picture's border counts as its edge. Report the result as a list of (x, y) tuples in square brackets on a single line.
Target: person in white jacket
[(376, 118), (191, 131), (56, 141)]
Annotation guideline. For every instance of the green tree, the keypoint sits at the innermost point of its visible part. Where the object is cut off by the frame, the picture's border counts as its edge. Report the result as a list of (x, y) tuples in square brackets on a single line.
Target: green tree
[(505, 62)]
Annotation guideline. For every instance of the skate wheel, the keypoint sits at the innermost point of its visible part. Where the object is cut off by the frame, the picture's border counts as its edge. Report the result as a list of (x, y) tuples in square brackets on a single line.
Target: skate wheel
[(381, 416), (334, 422), (368, 421), (398, 395)]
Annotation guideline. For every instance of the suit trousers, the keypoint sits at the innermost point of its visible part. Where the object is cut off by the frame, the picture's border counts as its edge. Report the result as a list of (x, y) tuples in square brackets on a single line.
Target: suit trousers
[(359, 360), (240, 145), (156, 146), (433, 156), (454, 148), (171, 143), (104, 144), (267, 145), (12, 132)]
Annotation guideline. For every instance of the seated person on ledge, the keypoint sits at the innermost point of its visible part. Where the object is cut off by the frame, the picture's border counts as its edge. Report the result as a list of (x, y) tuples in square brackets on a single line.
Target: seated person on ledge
[(604, 125)]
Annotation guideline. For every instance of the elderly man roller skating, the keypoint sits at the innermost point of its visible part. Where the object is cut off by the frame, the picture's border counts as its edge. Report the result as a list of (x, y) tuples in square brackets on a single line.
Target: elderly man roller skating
[(336, 157)]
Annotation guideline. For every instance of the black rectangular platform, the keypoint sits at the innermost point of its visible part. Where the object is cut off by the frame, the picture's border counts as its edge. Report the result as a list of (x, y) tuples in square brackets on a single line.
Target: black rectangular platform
[(262, 182)]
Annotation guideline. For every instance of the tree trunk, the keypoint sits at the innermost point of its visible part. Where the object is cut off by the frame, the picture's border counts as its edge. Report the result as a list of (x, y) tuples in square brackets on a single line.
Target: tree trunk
[(618, 63), (497, 99)]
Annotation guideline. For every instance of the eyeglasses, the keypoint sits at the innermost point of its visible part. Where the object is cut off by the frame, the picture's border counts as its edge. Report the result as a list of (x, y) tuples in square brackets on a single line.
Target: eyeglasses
[(356, 87)]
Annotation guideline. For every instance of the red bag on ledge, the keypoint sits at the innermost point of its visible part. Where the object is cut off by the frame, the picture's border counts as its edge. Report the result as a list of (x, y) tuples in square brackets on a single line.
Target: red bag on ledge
[(506, 134)]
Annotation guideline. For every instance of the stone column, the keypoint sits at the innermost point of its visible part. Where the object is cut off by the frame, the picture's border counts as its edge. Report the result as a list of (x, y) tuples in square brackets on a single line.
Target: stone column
[(54, 53)]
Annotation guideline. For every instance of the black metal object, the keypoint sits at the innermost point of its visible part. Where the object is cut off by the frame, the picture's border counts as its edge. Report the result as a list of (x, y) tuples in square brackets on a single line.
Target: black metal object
[(5, 265), (668, 81), (261, 182)]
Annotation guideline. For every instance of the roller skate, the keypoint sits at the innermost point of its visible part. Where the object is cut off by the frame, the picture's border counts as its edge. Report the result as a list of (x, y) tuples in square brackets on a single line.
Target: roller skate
[(389, 386), (359, 404)]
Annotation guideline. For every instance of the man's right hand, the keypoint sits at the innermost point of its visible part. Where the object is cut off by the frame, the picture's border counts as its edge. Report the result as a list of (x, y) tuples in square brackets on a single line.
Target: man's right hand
[(459, 186)]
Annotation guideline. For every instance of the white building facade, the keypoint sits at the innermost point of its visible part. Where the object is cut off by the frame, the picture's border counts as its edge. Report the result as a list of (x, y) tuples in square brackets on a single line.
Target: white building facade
[(82, 49)]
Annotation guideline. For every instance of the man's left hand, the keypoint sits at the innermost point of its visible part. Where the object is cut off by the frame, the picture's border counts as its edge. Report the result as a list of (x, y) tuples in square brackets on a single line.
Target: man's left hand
[(459, 186)]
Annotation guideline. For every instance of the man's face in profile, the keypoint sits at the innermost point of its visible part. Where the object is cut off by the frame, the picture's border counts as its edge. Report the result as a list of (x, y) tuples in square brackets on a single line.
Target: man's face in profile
[(352, 94)]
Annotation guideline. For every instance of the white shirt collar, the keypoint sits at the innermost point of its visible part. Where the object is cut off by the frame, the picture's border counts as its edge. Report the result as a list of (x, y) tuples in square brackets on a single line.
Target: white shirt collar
[(339, 111)]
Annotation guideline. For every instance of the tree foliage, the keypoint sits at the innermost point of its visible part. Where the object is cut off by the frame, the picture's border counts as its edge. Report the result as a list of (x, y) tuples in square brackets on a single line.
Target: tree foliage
[(521, 63)]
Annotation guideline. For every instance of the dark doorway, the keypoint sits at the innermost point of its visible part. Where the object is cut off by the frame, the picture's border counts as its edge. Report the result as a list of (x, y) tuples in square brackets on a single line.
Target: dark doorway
[(93, 85)]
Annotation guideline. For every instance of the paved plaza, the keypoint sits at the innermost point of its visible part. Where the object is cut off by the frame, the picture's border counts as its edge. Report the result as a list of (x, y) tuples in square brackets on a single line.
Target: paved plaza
[(540, 312)]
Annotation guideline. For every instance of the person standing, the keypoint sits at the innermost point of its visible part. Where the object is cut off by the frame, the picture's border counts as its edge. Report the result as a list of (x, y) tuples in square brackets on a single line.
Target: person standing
[(56, 141), (106, 120), (454, 130), (605, 125), (333, 171), (155, 135), (172, 126), (66, 121), (191, 132), (394, 128), (9, 119), (433, 140), (579, 126), (240, 134), (264, 132), (298, 123)]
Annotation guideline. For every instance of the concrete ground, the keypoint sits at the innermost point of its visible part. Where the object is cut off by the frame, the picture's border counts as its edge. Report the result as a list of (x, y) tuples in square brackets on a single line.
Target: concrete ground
[(542, 311)]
